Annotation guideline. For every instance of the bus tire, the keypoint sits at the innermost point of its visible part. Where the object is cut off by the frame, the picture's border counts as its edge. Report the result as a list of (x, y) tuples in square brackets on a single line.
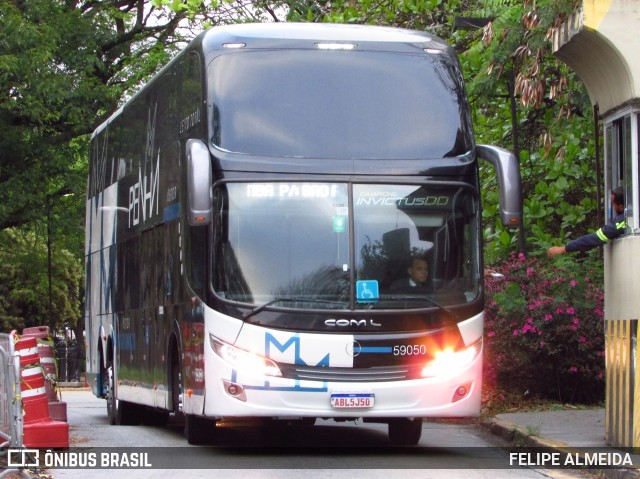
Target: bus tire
[(198, 430), (175, 378), (155, 417), (112, 402), (404, 431), (128, 414), (121, 413)]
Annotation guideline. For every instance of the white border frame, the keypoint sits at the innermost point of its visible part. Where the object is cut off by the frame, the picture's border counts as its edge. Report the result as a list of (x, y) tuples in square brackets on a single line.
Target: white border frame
[(634, 113)]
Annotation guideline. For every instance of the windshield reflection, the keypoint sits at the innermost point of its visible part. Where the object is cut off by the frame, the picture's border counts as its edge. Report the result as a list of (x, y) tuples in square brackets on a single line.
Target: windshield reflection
[(417, 242), (287, 245)]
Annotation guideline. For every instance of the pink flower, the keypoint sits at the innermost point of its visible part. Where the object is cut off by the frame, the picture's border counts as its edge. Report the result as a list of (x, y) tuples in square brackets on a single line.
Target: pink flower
[(570, 311), (573, 284), (582, 339), (521, 256), (542, 343), (559, 310), (529, 271), (575, 321), (515, 332), (573, 369), (491, 334), (547, 317)]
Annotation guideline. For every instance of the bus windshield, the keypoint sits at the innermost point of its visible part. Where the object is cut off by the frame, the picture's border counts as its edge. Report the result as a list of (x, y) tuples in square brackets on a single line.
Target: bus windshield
[(295, 245), (363, 105)]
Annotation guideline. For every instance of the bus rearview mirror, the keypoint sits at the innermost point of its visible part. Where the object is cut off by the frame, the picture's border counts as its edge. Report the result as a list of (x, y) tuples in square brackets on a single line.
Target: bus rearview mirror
[(510, 185), (199, 178)]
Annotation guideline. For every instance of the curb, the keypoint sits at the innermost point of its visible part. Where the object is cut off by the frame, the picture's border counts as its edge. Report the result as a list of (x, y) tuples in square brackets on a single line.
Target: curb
[(519, 437), (72, 384)]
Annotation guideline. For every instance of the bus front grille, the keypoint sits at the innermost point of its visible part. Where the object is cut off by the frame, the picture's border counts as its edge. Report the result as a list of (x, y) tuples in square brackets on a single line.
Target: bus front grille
[(317, 373)]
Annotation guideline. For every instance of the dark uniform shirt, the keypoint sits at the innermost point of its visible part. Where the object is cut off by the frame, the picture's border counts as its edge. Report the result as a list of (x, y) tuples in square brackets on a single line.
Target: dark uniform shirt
[(602, 236)]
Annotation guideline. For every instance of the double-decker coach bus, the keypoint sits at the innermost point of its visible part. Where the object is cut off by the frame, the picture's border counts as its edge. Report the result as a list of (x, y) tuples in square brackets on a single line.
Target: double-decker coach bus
[(255, 215)]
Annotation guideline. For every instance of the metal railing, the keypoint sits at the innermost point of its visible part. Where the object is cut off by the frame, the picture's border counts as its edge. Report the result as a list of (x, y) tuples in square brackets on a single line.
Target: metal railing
[(11, 425)]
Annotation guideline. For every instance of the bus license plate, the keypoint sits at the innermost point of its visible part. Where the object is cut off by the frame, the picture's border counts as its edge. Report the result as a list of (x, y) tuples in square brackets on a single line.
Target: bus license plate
[(352, 400)]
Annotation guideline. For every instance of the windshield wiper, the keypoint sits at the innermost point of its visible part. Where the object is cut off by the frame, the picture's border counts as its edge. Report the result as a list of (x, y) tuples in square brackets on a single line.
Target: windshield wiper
[(396, 298), (263, 306)]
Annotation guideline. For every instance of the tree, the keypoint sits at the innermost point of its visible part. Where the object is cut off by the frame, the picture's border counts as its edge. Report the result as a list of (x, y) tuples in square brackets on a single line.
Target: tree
[(24, 292), (512, 61), (65, 66)]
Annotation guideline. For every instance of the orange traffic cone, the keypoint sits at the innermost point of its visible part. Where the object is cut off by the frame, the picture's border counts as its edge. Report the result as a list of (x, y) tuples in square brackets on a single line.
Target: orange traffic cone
[(39, 431), (46, 352)]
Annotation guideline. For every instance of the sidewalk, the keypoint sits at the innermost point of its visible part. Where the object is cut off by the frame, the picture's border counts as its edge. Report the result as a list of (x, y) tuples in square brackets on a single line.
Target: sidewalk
[(559, 430)]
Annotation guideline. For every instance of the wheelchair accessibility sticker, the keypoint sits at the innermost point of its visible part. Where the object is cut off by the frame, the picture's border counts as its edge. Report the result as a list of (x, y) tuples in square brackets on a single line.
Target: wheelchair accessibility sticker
[(367, 291)]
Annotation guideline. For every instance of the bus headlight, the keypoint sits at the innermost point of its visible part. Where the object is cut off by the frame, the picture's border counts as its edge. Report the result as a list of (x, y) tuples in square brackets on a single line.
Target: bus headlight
[(244, 360), (449, 362)]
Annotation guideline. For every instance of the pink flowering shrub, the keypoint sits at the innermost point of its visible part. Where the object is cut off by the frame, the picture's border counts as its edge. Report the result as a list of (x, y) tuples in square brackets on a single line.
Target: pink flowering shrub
[(544, 330)]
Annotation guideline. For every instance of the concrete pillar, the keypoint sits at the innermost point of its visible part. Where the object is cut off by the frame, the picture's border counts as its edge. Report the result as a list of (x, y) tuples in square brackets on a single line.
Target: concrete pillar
[(600, 42)]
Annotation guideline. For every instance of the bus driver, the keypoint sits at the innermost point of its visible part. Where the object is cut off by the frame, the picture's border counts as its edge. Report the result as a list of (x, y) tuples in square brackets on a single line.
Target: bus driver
[(417, 280)]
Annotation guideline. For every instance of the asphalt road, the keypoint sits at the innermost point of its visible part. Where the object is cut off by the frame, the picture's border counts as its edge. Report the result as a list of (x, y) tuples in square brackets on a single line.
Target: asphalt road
[(328, 450)]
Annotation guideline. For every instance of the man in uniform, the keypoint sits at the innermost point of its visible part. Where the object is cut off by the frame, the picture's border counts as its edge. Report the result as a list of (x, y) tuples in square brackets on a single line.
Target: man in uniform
[(605, 234)]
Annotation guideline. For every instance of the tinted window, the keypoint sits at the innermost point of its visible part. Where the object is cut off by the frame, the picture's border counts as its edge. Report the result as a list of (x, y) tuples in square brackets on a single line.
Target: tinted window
[(282, 240), (328, 104), (292, 241), (416, 242)]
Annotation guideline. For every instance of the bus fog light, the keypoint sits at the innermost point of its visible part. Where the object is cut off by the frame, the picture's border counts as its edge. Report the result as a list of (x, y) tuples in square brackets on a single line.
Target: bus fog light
[(462, 392), (244, 361), (234, 390)]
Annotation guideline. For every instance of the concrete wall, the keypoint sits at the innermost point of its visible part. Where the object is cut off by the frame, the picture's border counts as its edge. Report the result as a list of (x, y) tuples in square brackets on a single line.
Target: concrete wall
[(601, 43)]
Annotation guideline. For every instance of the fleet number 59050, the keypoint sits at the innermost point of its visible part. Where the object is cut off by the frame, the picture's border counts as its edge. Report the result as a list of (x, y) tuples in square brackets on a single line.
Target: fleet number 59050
[(410, 350)]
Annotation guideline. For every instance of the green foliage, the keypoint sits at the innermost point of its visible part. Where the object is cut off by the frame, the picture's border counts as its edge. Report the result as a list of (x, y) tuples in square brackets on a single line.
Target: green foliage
[(435, 16), (24, 285), (64, 68), (554, 124), (544, 331)]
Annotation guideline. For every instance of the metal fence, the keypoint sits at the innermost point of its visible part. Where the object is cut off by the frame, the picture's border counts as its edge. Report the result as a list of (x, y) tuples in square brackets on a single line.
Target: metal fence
[(10, 405)]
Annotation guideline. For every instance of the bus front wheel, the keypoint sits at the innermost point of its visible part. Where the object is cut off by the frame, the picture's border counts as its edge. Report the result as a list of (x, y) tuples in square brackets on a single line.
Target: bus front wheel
[(405, 431), (198, 430)]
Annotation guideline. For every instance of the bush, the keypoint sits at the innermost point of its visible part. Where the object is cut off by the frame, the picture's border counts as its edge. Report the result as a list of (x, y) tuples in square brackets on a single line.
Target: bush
[(544, 331)]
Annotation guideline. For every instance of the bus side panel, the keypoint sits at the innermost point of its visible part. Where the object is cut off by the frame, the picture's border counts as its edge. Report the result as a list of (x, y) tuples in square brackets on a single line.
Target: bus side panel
[(193, 342), (134, 203), (165, 249), (101, 225), (171, 293)]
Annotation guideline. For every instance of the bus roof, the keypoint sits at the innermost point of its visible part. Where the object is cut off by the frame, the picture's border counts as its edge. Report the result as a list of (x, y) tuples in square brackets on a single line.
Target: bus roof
[(256, 35), (301, 35)]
